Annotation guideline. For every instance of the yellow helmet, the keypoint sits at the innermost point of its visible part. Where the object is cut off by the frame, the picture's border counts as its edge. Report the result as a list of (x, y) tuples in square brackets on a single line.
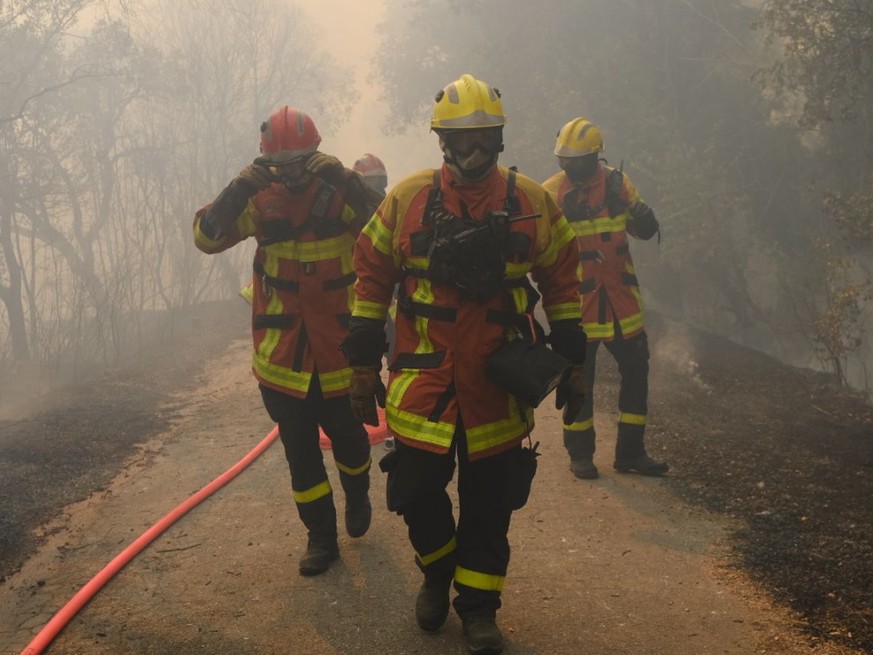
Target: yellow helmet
[(578, 138), (467, 103)]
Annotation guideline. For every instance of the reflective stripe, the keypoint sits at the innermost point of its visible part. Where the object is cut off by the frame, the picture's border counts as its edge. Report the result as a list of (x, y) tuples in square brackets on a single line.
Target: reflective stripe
[(363, 468), (489, 435), (367, 309), (600, 225), (561, 234), (430, 558), (632, 419), (312, 251), (320, 490), (476, 580), (580, 426), (283, 377), (415, 427), (380, 236), (335, 380), (563, 311)]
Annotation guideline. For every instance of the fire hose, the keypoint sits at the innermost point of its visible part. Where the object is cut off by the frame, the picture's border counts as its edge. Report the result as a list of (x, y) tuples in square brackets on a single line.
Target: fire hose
[(68, 611)]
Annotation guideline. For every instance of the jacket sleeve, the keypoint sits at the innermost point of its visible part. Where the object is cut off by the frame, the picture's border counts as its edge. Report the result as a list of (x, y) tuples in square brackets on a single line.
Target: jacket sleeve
[(377, 263), (221, 225), (556, 265)]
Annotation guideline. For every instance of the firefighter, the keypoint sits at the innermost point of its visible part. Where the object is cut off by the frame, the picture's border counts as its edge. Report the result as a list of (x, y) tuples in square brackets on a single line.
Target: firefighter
[(305, 211), (604, 209), (373, 171), (459, 301)]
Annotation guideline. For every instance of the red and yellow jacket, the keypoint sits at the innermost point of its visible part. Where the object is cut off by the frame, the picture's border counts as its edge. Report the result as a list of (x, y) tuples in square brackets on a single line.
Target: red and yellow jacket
[(609, 287), (302, 284), (443, 340)]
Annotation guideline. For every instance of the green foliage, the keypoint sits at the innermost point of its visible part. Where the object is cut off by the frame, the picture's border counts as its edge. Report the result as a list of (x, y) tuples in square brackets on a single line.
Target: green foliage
[(826, 55)]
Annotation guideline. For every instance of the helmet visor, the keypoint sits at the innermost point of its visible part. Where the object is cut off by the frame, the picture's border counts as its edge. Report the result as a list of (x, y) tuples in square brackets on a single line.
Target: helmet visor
[(464, 143)]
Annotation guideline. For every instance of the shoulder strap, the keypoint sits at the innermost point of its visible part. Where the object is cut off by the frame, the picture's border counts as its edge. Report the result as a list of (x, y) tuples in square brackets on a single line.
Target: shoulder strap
[(511, 203)]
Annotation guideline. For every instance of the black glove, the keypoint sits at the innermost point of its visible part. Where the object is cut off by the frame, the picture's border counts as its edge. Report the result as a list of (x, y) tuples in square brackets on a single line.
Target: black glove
[(567, 339), (570, 393), (255, 177), (643, 223), (365, 391)]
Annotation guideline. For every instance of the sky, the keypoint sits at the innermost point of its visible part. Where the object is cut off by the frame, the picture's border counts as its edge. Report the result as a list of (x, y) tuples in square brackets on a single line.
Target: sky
[(348, 31)]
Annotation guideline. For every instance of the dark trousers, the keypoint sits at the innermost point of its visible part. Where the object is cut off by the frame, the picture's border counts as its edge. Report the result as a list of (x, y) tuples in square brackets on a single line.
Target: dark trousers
[(299, 420), (476, 550), (632, 357)]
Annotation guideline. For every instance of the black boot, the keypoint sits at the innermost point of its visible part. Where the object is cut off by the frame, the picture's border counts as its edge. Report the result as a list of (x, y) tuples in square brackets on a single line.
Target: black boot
[(483, 635), (432, 604), (630, 452), (358, 515), (584, 469), (318, 556), (642, 464)]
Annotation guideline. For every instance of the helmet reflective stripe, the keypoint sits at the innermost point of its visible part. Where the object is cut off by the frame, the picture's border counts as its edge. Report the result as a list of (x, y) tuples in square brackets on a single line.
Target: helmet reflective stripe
[(467, 103), (288, 134), (578, 138)]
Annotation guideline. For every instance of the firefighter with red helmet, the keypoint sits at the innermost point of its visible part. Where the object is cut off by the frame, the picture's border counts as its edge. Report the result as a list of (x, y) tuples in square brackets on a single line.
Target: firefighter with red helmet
[(305, 211), (371, 168), (605, 209), (461, 241)]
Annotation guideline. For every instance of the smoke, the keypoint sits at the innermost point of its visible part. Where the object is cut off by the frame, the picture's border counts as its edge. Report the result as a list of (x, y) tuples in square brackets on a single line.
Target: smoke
[(672, 352)]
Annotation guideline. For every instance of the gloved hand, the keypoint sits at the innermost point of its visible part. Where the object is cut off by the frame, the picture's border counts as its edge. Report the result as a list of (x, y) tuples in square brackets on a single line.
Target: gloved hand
[(328, 168), (643, 223), (255, 177), (570, 393), (365, 390)]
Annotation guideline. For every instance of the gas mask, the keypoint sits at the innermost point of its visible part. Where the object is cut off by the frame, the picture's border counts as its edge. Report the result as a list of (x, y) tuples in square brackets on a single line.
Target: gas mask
[(471, 154), (292, 174), (580, 169)]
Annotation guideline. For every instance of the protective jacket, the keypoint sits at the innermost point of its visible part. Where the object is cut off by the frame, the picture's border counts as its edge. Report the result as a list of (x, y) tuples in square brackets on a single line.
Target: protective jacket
[(444, 337), (599, 212), (302, 284)]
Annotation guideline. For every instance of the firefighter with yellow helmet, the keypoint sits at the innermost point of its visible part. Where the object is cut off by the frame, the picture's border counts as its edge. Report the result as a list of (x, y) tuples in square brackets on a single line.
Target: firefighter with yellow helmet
[(463, 242), (605, 209), (305, 211)]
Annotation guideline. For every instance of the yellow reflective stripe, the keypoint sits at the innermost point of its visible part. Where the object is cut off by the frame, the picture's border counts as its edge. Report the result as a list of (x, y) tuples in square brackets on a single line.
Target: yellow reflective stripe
[(580, 426), (313, 251), (398, 387), (203, 241), (476, 580), (561, 234), (517, 270), (519, 299), (632, 323), (284, 377), (275, 306), (563, 311), (598, 330), (320, 490), (439, 553), (420, 263), (381, 237), (368, 309), (631, 419), (363, 468), (419, 428), (600, 225), (486, 436), (335, 380)]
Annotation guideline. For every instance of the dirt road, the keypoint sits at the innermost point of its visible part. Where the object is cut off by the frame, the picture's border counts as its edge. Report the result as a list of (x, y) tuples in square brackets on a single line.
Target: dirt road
[(619, 565)]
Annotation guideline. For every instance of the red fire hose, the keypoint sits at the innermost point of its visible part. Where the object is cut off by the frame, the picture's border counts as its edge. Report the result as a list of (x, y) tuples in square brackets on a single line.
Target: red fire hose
[(68, 611)]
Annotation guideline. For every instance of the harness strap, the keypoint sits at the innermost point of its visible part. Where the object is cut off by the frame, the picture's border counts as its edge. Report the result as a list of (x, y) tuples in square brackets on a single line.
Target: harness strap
[(282, 230), (294, 286)]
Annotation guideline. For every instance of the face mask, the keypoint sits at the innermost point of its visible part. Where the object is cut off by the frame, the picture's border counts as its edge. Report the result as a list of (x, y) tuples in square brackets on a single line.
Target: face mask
[(476, 157), (580, 169)]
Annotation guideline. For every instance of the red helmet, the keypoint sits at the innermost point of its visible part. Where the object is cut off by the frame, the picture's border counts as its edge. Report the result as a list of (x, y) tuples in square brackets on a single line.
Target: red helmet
[(288, 134), (370, 166)]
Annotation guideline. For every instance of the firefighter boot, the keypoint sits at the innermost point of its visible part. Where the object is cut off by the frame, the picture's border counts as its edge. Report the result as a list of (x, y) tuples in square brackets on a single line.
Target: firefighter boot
[(358, 509), (319, 517), (432, 604), (581, 448), (318, 556), (483, 635), (630, 453)]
